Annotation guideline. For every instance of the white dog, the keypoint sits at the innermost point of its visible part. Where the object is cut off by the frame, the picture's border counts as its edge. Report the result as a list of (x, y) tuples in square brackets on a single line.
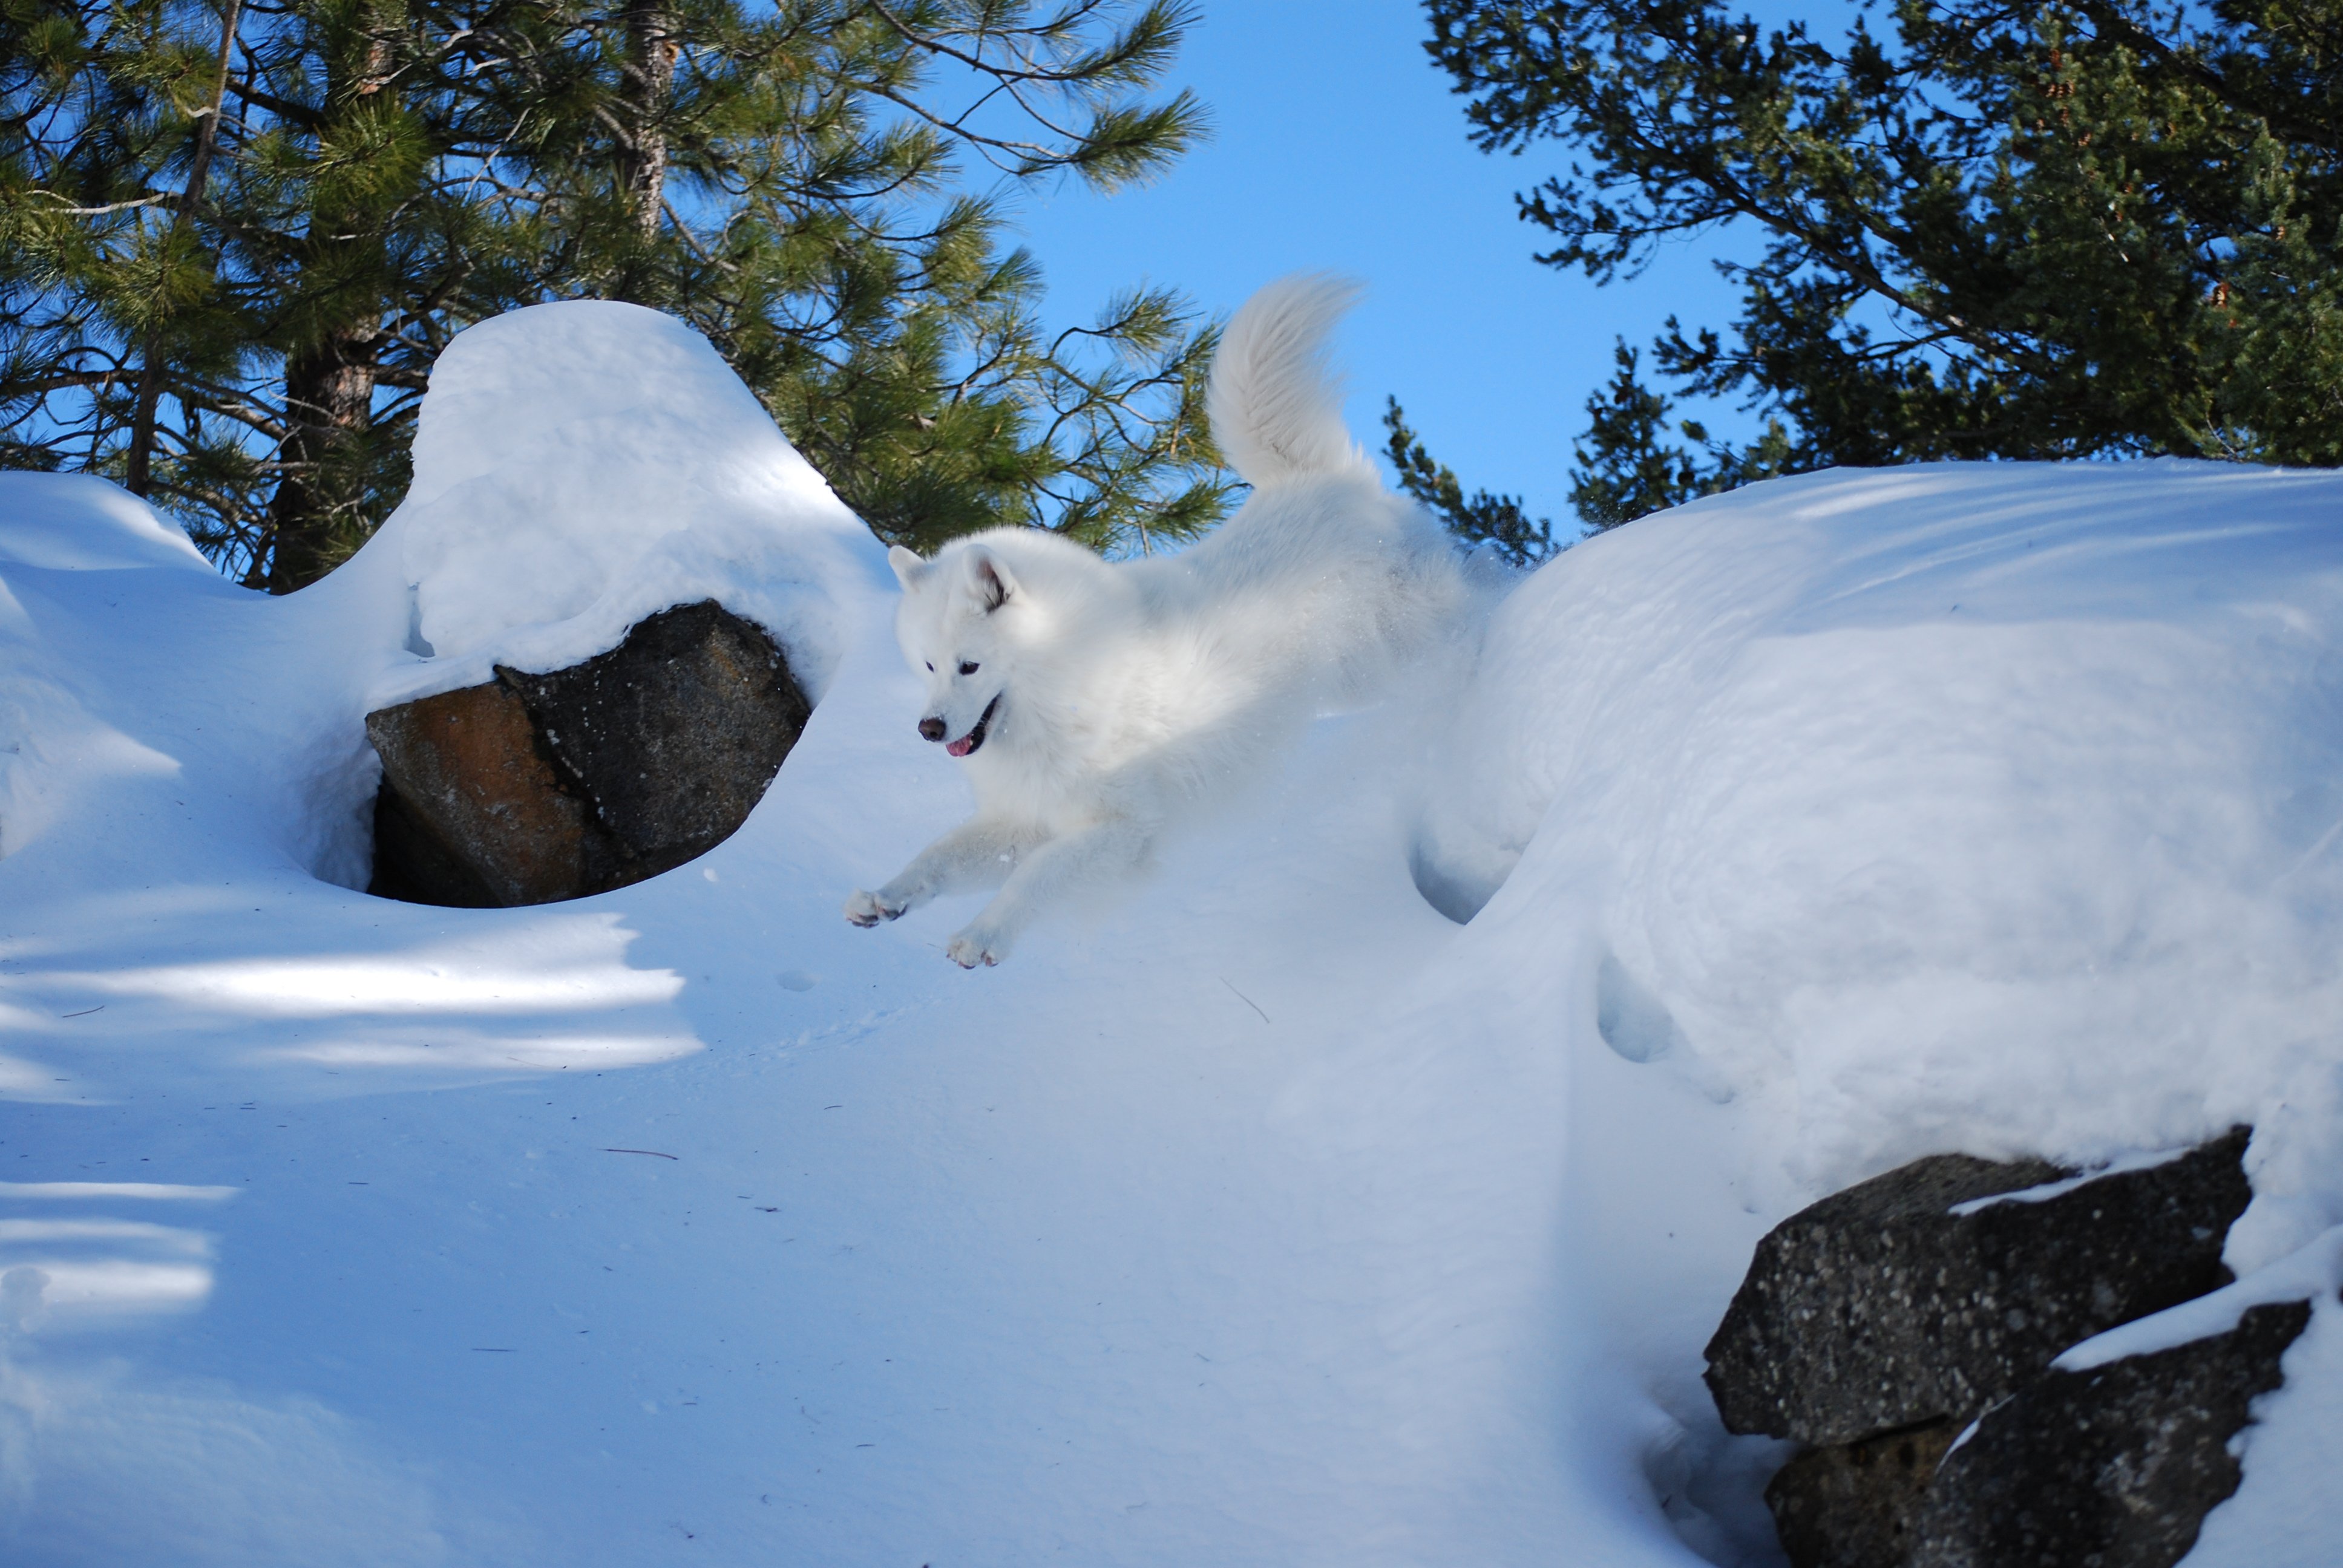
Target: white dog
[(1094, 703)]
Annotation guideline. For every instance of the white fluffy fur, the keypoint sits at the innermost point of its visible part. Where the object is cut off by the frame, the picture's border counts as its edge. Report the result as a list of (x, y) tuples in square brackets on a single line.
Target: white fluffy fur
[(1129, 693), (1274, 404)]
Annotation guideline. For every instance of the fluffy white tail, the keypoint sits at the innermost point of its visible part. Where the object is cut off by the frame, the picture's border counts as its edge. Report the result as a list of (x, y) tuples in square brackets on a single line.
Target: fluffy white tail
[(1276, 407)]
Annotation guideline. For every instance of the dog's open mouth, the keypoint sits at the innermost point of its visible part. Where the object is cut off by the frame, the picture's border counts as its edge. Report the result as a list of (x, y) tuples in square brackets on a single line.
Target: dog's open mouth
[(967, 744)]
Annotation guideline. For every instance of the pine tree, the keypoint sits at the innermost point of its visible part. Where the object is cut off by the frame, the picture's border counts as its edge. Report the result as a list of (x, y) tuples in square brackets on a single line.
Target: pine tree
[(2087, 230), (234, 236), (867, 299), (1485, 518), (1629, 466), (224, 286)]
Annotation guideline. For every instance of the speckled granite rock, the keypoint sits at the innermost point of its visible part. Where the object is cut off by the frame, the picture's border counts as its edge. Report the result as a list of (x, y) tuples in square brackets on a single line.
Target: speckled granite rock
[(2114, 1467), (1882, 1307)]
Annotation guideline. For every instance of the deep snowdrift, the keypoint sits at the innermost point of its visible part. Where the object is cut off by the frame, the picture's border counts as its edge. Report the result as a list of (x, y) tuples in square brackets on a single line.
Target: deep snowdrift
[(1264, 1215)]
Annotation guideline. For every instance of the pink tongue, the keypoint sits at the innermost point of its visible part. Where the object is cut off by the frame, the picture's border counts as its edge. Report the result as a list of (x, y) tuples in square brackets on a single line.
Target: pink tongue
[(959, 746)]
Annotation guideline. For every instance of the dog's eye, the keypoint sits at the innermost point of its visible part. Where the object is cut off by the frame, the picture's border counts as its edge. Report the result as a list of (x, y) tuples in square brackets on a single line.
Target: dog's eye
[(967, 669)]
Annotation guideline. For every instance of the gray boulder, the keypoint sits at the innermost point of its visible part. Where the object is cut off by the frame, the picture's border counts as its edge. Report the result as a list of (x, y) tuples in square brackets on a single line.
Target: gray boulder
[(1880, 1308), (2114, 1467), (537, 788)]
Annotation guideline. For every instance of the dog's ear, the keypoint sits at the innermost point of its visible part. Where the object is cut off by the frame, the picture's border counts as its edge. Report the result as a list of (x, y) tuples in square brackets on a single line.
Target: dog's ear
[(909, 568), (989, 582)]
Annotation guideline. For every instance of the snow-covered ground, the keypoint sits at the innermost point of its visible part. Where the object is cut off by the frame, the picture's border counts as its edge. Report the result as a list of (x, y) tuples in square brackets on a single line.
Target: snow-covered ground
[(1265, 1214)]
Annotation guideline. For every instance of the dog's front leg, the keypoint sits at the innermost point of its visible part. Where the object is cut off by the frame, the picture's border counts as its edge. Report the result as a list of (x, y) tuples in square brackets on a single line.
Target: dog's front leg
[(978, 853), (1042, 878)]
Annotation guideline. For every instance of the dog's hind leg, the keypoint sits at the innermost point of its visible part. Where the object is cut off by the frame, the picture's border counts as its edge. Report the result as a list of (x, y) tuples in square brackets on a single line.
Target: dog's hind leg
[(1044, 875), (978, 853)]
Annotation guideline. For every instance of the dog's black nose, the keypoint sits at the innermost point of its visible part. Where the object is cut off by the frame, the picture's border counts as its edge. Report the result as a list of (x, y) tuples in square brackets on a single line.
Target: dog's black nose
[(931, 730)]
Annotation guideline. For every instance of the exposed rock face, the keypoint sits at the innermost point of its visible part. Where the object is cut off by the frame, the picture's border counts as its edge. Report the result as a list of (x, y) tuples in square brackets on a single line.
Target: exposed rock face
[(1906, 1327), (471, 811), (1880, 1308), (1857, 1506), (2116, 1466), (535, 788)]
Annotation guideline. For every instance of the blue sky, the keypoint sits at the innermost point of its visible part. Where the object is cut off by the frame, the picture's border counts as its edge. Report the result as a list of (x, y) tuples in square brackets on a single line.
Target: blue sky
[(1338, 146)]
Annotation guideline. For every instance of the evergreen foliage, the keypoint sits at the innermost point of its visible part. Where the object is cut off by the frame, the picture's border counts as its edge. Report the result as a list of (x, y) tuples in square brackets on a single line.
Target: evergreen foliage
[(235, 233), (2083, 228), (1497, 521)]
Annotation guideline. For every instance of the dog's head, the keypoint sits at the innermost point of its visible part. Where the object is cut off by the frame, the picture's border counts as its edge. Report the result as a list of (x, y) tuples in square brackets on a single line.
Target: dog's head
[(955, 628)]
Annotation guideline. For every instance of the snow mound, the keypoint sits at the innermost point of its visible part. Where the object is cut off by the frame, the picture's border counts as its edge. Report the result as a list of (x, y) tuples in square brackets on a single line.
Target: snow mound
[(2000, 802), (581, 465), (74, 522)]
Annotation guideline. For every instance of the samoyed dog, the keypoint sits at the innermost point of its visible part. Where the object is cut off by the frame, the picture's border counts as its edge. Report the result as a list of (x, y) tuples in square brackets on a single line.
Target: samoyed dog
[(1095, 703)]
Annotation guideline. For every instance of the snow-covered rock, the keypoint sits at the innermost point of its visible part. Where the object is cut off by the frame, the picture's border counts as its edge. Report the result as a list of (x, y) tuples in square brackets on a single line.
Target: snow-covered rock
[(581, 465), (1946, 787), (2118, 1463), (537, 788), (1932, 1291)]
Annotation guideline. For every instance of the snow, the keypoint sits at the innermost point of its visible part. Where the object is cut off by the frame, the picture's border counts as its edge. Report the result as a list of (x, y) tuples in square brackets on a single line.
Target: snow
[(579, 465), (1262, 1213), (2030, 771), (2060, 1187), (2283, 1515), (2301, 1276)]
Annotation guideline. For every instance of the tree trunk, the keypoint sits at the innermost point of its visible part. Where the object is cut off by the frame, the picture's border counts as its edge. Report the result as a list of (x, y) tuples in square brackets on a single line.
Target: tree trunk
[(652, 48), (314, 520), (329, 408)]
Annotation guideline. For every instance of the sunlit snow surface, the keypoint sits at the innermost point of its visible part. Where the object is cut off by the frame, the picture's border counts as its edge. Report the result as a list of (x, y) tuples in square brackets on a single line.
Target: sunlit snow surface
[(1260, 1215)]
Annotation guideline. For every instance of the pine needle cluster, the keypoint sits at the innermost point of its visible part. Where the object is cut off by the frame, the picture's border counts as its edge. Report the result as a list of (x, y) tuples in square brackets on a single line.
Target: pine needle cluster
[(1482, 519)]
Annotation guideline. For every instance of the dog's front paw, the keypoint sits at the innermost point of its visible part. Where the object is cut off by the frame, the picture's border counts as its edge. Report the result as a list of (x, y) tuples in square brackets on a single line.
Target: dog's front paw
[(975, 945), (869, 908)]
